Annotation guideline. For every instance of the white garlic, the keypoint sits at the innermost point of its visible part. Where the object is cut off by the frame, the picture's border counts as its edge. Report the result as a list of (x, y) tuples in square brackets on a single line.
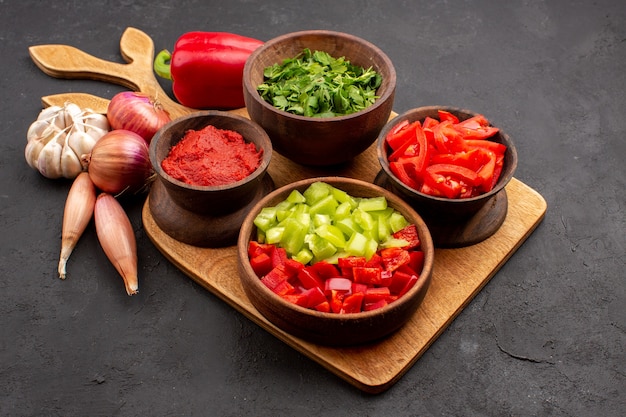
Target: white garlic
[(60, 136)]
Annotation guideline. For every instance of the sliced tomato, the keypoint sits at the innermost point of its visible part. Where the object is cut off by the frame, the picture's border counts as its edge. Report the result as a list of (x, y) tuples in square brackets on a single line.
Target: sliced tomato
[(446, 115), (458, 172)]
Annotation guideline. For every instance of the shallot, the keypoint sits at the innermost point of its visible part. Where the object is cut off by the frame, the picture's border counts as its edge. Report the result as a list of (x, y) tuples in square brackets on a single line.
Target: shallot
[(119, 162), (116, 236), (79, 208)]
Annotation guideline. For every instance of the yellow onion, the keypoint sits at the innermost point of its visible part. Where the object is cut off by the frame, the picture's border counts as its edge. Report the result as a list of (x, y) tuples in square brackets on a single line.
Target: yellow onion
[(117, 238), (119, 162)]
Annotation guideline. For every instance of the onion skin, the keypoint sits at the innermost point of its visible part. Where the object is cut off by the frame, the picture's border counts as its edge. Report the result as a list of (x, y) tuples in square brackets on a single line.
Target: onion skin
[(79, 208), (119, 162), (138, 113), (117, 238)]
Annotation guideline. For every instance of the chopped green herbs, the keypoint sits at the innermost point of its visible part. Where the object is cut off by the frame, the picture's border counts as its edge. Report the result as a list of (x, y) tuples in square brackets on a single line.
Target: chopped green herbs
[(315, 84)]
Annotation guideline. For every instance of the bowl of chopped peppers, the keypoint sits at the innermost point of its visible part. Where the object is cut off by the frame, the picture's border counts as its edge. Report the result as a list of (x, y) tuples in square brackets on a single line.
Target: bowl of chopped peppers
[(446, 162), (322, 96), (335, 261)]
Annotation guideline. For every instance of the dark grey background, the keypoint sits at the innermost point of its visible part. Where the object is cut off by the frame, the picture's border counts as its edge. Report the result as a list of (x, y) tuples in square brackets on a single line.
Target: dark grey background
[(544, 338)]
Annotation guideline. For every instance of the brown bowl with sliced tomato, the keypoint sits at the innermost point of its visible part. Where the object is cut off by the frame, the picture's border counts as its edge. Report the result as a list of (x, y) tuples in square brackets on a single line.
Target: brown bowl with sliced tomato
[(335, 261), (450, 164)]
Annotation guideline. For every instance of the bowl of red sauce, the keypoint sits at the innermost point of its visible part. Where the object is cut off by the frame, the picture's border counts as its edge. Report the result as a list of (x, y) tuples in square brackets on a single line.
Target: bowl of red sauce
[(211, 167)]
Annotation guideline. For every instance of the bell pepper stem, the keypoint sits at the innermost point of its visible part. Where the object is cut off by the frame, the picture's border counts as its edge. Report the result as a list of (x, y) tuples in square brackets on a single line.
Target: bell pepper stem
[(162, 64)]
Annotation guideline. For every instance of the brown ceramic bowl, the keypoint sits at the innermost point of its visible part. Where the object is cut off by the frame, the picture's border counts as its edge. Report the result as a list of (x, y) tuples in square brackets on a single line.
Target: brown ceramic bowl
[(444, 209), (206, 215), (330, 328), (319, 141)]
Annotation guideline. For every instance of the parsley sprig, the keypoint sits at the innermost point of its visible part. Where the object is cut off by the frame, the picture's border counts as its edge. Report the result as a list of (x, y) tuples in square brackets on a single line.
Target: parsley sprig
[(315, 84)]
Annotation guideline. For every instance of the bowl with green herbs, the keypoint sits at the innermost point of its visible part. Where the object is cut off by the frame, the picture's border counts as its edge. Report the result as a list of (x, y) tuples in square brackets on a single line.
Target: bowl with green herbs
[(322, 96)]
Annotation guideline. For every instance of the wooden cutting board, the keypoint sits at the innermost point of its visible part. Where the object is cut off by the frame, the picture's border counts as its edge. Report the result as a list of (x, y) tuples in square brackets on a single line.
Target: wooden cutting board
[(458, 275)]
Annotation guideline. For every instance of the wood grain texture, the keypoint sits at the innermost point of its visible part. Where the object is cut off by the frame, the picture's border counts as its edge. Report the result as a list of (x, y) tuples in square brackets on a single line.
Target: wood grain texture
[(373, 368)]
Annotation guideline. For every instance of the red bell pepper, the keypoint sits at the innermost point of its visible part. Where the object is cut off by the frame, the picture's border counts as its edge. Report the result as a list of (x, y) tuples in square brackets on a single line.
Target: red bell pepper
[(207, 68)]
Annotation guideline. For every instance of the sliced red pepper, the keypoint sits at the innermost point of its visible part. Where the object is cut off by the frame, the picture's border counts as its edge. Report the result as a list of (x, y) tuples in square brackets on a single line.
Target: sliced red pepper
[(393, 258), (336, 301), (261, 264), (367, 275), (399, 281), (314, 296), (408, 233), (309, 278), (340, 284), (279, 256), (283, 288), (275, 277), (374, 306), (323, 307), (376, 294), (325, 270), (255, 249), (417, 261), (352, 303)]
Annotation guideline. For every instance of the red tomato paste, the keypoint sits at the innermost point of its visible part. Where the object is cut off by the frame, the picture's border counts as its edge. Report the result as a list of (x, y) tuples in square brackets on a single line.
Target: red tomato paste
[(212, 156)]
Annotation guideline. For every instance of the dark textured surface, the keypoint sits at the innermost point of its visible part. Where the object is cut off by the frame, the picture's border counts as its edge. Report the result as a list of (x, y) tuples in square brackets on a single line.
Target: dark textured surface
[(545, 337)]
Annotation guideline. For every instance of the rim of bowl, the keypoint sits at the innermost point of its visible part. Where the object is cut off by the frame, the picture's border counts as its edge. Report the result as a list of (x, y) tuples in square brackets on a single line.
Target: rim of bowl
[(390, 82), (266, 146), (384, 163), (429, 252)]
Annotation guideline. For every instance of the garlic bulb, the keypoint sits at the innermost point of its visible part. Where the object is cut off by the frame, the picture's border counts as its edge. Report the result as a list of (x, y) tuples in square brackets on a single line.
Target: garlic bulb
[(60, 136)]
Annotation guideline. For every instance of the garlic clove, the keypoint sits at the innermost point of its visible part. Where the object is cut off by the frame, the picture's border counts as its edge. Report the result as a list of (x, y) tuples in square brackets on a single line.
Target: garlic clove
[(81, 142), (70, 163), (49, 160), (49, 113)]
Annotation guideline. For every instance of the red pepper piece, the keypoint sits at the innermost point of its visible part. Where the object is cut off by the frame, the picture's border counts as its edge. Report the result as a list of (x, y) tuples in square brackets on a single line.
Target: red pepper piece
[(284, 288), (409, 233), (255, 249), (279, 256), (309, 278), (275, 277), (352, 303), (336, 301), (375, 305), (325, 270), (393, 258), (367, 275), (207, 68), (375, 294), (261, 264), (399, 282), (314, 296), (416, 263), (323, 307)]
